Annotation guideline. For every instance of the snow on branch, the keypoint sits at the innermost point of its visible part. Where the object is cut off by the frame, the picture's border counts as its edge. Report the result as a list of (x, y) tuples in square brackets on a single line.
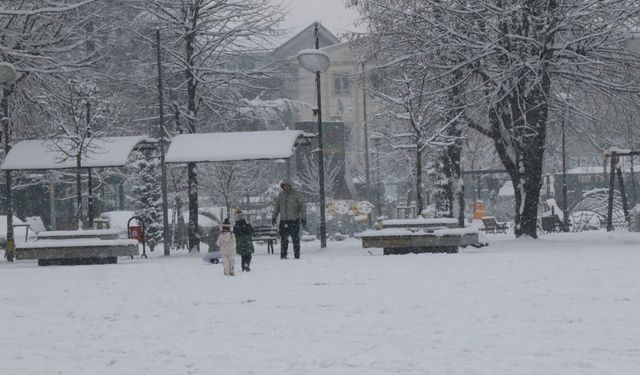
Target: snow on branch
[(54, 8)]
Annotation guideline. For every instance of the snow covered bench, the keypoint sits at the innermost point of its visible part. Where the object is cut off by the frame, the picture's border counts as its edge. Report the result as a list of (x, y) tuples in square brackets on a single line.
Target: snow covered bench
[(103, 234), (443, 222), (423, 240), (491, 225), (76, 251)]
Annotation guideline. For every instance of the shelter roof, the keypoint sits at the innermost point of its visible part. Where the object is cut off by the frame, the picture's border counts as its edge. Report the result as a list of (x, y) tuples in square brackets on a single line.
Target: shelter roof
[(233, 146), (49, 154)]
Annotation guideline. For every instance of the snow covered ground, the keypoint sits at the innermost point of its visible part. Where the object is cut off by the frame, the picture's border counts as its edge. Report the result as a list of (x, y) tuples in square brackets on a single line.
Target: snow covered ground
[(564, 304)]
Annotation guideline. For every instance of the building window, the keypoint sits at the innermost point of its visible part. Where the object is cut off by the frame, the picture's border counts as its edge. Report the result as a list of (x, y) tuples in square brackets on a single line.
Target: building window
[(341, 84)]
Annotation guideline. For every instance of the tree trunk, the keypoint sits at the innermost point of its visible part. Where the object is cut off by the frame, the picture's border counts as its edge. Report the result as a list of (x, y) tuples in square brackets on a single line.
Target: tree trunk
[(419, 203), (192, 85), (79, 189), (194, 233), (455, 192), (528, 146)]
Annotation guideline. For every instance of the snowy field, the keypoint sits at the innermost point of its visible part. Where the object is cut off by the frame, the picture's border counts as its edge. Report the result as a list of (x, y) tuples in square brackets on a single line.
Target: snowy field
[(565, 304)]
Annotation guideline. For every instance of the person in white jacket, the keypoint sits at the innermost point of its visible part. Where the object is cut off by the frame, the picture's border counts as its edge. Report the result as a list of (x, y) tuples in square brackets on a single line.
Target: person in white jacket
[(227, 244)]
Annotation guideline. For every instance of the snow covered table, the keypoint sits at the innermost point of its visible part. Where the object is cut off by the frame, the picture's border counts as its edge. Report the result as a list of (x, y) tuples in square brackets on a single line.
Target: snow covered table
[(103, 234), (76, 251), (444, 222), (420, 240)]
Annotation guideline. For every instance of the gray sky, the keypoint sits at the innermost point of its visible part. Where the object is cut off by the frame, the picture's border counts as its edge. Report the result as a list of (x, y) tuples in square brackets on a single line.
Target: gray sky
[(332, 14)]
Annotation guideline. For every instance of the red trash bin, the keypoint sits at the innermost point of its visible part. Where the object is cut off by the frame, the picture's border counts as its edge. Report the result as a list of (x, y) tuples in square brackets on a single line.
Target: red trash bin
[(135, 232)]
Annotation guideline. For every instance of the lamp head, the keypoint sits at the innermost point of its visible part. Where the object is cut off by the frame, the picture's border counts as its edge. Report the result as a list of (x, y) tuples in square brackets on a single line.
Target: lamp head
[(314, 60)]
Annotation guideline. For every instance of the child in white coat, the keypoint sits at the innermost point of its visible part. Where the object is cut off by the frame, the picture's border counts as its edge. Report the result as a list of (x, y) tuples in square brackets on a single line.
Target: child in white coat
[(227, 244)]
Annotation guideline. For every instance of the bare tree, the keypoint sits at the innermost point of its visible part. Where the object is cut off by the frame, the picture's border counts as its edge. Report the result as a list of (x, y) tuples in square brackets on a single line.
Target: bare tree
[(44, 40), (204, 39), (504, 61), (415, 121), (74, 127), (308, 176)]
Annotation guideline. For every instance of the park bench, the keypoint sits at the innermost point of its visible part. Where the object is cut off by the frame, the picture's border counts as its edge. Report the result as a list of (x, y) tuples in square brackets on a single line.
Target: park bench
[(491, 225), (76, 251), (403, 236), (551, 224), (339, 237), (266, 233)]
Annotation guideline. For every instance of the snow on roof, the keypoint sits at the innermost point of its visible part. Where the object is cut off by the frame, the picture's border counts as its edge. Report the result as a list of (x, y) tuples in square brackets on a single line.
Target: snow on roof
[(232, 146), (507, 189), (46, 154), (586, 170)]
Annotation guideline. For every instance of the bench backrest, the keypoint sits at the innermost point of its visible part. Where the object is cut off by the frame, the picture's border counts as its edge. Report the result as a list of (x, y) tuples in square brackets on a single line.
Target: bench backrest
[(264, 231), (265, 228), (489, 222), (548, 223)]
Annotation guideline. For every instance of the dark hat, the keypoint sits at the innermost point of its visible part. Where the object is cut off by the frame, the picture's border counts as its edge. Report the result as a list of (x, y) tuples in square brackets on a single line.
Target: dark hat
[(286, 181), (226, 224)]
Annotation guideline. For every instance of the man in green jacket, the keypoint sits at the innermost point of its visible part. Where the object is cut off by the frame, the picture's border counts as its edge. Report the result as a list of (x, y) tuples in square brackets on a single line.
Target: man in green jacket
[(290, 206)]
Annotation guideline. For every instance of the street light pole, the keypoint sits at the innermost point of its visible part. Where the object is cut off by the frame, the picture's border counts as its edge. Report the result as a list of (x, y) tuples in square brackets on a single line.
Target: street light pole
[(317, 61), (565, 201), (323, 220), (366, 144)]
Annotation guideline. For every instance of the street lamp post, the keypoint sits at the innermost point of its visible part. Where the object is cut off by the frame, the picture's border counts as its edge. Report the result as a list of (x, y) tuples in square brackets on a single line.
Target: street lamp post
[(7, 78), (317, 61), (366, 143), (565, 219), (565, 97)]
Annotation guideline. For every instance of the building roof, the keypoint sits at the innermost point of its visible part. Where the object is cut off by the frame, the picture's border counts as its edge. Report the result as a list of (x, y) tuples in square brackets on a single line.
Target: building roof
[(48, 154), (299, 38)]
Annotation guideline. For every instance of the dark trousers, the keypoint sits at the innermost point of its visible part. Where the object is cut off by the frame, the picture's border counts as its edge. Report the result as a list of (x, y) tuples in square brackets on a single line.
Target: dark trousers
[(289, 228), (246, 261)]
